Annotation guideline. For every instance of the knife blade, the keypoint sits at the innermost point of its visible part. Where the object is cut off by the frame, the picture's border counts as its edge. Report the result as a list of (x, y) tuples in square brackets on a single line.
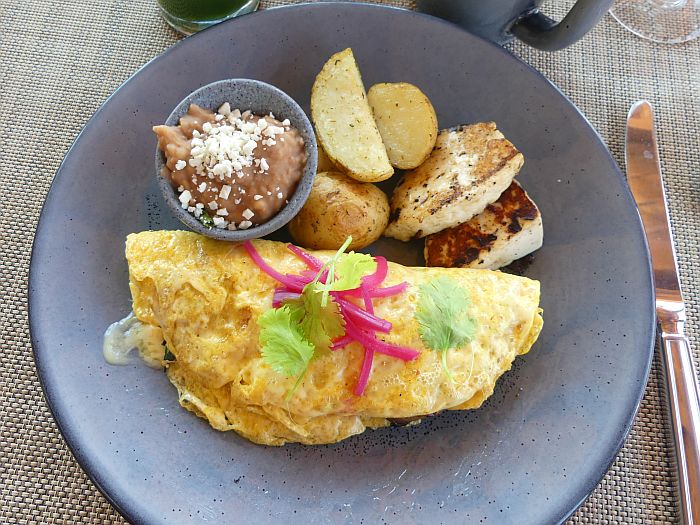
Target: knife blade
[(645, 181)]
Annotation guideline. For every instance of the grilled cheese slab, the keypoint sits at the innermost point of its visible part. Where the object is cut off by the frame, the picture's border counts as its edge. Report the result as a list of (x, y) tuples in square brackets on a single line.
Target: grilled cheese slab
[(468, 169), (506, 230)]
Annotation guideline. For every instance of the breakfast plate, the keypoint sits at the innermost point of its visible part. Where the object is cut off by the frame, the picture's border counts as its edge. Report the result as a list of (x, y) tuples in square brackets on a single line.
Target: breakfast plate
[(531, 454)]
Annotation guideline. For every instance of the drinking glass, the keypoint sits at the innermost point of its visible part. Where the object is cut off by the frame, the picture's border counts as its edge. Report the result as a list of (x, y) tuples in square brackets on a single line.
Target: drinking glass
[(667, 21), (189, 16)]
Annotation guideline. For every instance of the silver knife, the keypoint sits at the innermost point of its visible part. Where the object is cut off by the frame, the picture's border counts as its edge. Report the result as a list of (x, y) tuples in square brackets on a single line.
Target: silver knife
[(644, 178)]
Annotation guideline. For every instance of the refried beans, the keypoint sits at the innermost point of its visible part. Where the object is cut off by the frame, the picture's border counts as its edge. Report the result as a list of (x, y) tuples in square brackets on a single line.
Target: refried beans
[(232, 170)]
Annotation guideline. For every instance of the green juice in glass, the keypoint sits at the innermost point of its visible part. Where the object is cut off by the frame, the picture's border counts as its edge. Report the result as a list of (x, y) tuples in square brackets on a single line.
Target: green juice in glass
[(189, 16)]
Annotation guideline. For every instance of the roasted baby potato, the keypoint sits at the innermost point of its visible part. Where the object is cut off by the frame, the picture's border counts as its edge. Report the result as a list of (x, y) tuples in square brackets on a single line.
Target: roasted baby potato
[(324, 163), (337, 207), (343, 120), (406, 121)]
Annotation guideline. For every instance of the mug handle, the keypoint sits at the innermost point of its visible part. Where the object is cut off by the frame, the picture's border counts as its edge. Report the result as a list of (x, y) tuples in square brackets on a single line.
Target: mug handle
[(541, 32)]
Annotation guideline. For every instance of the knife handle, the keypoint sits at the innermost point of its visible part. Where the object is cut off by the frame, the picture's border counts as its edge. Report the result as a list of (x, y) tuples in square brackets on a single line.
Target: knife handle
[(685, 418)]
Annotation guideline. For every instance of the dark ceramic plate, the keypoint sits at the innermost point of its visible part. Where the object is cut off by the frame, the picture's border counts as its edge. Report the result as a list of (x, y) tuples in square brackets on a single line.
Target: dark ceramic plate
[(530, 455)]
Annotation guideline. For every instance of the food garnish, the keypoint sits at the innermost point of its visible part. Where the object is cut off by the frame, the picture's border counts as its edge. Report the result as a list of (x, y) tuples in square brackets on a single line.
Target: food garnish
[(319, 323), (317, 312), (284, 345), (443, 319), (206, 220)]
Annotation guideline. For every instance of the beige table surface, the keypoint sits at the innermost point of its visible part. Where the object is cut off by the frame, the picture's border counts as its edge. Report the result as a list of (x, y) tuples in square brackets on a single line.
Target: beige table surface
[(60, 59)]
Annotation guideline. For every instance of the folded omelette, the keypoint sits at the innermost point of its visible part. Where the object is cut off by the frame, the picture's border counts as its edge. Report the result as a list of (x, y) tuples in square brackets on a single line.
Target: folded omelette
[(205, 297)]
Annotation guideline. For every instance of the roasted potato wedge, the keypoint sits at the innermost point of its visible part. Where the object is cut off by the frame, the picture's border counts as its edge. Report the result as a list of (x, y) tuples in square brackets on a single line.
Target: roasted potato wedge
[(337, 207), (406, 121), (343, 120), (324, 163)]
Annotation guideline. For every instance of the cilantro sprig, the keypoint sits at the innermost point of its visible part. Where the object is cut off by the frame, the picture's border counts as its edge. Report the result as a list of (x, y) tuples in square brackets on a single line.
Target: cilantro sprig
[(320, 324), (284, 345), (443, 320), (351, 267), (304, 327)]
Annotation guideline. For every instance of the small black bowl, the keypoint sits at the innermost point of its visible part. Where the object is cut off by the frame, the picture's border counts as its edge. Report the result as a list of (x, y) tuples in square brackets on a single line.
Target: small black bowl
[(260, 98)]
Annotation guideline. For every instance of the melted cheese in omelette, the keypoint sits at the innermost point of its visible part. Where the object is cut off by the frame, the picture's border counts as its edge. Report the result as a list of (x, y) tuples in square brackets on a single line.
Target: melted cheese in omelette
[(206, 295)]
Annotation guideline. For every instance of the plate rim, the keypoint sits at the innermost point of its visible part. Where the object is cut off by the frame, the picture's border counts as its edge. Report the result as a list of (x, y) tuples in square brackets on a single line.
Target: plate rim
[(85, 462)]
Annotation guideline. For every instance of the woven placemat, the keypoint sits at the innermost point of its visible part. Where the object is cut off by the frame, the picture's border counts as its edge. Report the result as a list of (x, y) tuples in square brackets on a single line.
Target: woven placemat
[(60, 59)]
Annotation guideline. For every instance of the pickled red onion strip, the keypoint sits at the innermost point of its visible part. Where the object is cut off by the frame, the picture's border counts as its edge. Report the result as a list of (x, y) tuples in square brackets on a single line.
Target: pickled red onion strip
[(342, 342), (370, 341), (269, 270), (362, 317), (311, 261), (389, 290), (365, 371), (367, 300), (296, 282), (378, 292), (375, 279), (281, 295)]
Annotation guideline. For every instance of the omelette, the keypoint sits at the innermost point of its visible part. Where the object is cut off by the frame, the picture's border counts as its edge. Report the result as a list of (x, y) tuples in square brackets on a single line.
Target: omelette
[(203, 299)]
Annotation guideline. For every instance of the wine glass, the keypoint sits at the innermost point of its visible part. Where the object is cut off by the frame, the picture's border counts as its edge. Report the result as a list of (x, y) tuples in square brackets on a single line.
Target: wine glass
[(667, 21)]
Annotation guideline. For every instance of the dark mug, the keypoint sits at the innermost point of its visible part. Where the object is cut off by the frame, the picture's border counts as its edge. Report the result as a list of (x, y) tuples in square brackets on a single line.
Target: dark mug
[(500, 20)]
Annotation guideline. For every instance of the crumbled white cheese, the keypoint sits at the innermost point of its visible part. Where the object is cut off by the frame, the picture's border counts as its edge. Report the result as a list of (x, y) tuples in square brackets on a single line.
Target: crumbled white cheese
[(247, 214), (185, 197), (232, 226), (219, 222), (180, 165), (244, 225), (279, 195), (213, 205), (257, 197), (191, 209), (222, 211), (225, 191), (199, 206), (225, 148), (237, 201), (202, 187)]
